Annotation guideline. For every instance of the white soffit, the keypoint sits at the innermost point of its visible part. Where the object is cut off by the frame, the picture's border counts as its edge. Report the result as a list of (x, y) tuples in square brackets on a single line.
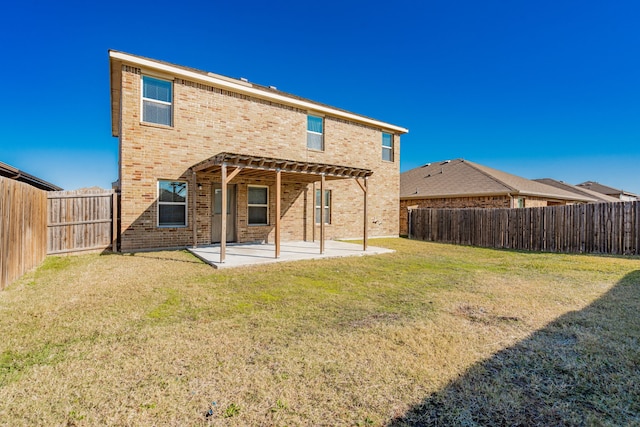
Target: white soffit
[(241, 87)]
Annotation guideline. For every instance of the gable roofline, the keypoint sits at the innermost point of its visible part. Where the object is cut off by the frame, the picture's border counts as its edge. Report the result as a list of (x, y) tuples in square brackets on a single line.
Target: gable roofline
[(11, 172), (578, 190), (604, 189), (546, 191), (232, 85), (485, 181)]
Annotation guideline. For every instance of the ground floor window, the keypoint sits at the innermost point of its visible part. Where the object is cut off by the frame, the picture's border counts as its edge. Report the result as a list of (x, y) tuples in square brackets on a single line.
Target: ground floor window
[(327, 206), (172, 203), (258, 205)]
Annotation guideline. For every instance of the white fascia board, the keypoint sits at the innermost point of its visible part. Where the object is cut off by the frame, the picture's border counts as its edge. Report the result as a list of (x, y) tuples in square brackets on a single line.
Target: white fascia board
[(241, 88)]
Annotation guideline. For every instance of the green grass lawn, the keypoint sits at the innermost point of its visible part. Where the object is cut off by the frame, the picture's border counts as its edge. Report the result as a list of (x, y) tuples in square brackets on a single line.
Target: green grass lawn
[(430, 335)]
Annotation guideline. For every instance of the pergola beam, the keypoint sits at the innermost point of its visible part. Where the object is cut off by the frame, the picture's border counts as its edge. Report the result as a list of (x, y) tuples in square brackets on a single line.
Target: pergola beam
[(285, 165), (233, 174)]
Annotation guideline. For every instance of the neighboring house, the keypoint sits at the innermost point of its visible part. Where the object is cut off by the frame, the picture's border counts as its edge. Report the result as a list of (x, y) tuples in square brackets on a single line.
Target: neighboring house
[(460, 183), (183, 132), (625, 196), (600, 198), (13, 173)]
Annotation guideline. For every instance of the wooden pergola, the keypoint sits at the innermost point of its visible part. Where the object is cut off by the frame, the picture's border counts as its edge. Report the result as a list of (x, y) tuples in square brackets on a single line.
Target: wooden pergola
[(230, 165)]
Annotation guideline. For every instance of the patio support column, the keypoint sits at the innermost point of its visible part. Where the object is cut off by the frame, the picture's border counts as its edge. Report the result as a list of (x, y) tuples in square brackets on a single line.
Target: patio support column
[(365, 235), (194, 221), (278, 196), (321, 213), (223, 222), (313, 215)]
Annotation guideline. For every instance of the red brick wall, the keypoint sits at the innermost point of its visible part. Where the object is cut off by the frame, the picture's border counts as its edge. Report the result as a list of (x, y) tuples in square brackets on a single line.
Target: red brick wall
[(457, 202), (208, 121)]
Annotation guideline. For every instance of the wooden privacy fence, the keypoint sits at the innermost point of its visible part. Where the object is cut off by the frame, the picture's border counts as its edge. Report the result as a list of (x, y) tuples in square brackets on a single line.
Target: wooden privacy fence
[(82, 220), (600, 228), (23, 229)]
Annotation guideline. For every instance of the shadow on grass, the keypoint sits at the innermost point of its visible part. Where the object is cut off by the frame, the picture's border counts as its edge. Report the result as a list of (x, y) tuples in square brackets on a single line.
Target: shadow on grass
[(582, 369)]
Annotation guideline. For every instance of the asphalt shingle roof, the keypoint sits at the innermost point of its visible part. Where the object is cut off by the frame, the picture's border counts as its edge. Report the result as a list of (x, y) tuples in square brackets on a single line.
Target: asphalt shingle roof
[(462, 178), (578, 190), (603, 189)]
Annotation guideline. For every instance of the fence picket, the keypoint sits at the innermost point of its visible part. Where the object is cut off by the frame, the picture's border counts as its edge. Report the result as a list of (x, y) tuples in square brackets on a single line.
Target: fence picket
[(607, 228), (80, 220), (23, 229)]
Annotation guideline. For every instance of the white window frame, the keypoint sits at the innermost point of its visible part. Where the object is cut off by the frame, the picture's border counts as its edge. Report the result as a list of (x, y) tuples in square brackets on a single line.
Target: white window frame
[(185, 203), (390, 148), (257, 205), (156, 101), (317, 206), (317, 116)]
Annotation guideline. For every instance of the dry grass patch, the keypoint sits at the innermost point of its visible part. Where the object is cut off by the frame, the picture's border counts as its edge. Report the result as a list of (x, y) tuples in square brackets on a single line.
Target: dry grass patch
[(404, 339)]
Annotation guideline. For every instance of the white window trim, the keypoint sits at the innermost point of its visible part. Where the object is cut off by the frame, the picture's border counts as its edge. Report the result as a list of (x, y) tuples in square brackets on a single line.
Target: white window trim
[(384, 147), (157, 101), (319, 116), (261, 205), (317, 205), (185, 203)]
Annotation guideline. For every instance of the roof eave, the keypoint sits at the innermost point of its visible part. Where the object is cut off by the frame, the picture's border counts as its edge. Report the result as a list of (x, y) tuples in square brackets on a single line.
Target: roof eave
[(455, 196), (557, 196), (239, 87), (115, 80)]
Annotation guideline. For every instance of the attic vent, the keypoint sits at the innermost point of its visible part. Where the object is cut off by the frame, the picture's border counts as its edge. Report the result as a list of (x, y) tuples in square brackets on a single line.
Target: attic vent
[(445, 162), (273, 88), (244, 79), (426, 164)]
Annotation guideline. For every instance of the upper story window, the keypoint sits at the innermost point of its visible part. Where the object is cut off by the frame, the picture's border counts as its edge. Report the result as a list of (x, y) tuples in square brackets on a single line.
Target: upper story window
[(258, 205), (172, 203), (315, 135), (157, 98), (387, 147)]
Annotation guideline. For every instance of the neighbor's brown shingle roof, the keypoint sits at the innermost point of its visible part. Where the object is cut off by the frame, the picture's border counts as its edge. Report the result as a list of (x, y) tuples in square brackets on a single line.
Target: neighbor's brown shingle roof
[(604, 189), (462, 178), (578, 190), (14, 173)]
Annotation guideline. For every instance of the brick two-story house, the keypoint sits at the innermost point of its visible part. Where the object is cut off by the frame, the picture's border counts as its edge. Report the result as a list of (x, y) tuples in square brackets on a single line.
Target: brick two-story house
[(287, 161)]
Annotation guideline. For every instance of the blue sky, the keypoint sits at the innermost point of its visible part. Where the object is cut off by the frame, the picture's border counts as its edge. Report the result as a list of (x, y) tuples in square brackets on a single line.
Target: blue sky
[(538, 89)]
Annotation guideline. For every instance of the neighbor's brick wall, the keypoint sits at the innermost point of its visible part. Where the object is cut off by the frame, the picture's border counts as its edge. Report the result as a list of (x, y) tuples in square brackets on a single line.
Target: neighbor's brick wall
[(468, 202), (457, 202), (208, 121)]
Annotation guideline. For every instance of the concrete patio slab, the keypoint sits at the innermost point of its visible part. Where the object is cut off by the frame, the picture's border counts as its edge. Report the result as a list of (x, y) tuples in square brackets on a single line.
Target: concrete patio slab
[(246, 254)]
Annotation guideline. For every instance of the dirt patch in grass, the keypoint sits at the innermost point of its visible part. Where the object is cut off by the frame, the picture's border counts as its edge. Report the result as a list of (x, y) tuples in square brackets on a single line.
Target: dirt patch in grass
[(432, 334)]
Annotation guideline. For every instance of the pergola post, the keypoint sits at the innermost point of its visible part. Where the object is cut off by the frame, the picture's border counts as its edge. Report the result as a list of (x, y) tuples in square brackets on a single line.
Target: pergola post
[(365, 235), (321, 213), (278, 182), (366, 221), (194, 220), (223, 222), (313, 215)]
